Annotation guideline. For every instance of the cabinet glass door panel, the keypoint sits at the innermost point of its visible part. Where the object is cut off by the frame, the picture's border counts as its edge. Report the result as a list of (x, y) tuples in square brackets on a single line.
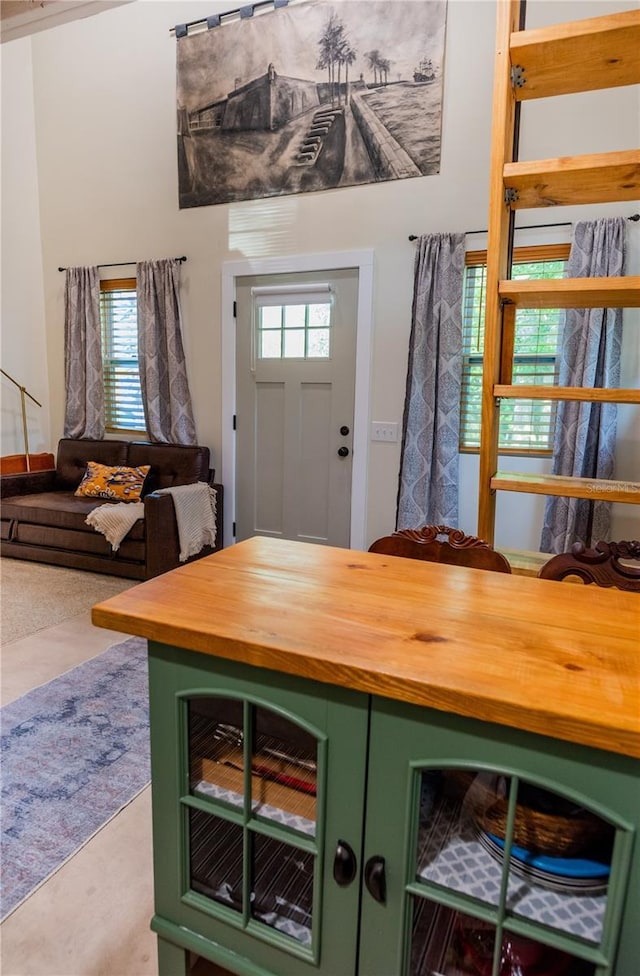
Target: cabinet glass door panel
[(559, 863), (215, 858), (283, 772), (264, 766), (450, 943), (560, 855), (282, 891), (256, 890), (216, 752), (449, 851)]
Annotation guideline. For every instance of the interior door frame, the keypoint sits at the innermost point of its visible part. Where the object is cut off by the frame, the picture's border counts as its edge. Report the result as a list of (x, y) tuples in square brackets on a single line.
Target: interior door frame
[(362, 260)]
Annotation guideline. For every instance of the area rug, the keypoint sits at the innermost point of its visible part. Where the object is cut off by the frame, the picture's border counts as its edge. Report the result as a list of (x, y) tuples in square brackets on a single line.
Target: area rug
[(36, 596), (75, 751)]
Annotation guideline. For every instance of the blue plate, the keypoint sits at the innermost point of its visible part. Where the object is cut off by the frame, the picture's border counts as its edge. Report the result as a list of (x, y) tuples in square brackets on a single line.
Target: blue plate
[(566, 867)]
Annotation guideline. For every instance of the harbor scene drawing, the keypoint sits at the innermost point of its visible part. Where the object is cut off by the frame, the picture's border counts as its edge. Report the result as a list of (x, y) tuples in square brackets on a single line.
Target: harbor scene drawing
[(308, 97)]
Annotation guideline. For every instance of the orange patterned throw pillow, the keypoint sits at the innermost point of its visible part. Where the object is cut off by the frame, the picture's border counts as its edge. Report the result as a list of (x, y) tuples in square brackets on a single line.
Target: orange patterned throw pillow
[(117, 484)]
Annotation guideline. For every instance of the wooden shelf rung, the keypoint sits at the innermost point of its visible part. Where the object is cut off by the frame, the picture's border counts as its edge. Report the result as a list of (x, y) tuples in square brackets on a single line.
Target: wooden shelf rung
[(622, 292), (569, 180), (585, 394), (585, 55), (594, 489)]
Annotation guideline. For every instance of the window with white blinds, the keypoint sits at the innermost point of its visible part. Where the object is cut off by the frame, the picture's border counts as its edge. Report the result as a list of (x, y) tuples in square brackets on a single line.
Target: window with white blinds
[(526, 426), (119, 323)]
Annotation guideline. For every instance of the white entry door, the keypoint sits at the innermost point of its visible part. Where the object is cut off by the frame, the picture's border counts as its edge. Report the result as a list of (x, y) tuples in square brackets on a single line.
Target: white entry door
[(295, 381)]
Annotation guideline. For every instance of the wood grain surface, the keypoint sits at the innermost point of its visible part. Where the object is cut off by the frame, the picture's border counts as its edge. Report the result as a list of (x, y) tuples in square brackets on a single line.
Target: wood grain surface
[(552, 658), (601, 52)]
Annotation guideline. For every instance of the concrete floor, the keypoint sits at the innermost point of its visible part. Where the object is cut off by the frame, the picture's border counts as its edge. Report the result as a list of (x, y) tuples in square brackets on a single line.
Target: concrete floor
[(91, 918)]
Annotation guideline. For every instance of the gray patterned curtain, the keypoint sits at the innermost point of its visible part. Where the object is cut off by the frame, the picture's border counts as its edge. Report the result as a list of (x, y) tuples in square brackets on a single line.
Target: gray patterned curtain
[(585, 436), (428, 492), (84, 406), (163, 374)]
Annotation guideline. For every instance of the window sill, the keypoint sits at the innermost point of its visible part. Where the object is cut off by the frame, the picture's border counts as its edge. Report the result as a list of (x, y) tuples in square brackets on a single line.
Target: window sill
[(123, 432)]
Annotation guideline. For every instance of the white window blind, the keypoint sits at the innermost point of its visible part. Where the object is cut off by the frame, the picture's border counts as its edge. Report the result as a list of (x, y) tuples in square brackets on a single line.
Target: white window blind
[(526, 426), (119, 324)]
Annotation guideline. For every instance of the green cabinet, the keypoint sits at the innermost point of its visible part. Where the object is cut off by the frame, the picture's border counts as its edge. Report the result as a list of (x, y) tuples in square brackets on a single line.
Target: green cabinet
[(506, 853), (257, 778), (305, 828)]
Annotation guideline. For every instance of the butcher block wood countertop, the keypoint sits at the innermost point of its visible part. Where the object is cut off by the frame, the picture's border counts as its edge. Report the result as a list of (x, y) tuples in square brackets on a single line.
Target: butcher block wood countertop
[(539, 655)]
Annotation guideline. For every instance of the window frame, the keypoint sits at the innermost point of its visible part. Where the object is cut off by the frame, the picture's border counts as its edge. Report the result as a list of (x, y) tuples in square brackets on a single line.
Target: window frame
[(111, 285), (284, 296), (532, 254), (283, 329)]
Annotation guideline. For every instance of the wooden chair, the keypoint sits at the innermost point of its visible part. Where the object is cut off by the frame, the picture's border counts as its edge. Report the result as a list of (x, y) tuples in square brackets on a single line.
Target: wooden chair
[(601, 565), (456, 549)]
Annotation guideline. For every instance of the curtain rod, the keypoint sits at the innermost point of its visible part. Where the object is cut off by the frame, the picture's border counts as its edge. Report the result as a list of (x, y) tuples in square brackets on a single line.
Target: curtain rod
[(564, 223), (181, 30), (122, 264)]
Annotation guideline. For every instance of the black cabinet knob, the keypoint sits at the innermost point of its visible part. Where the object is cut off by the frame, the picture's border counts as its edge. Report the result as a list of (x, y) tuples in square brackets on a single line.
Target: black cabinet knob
[(345, 865), (343, 451), (375, 878)]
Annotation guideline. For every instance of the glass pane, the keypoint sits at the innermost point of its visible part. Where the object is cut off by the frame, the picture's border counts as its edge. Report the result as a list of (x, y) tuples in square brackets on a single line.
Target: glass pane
[(318, 343), (294, 343), (319, 315), (284, 768), (270, 345), (216, 761), (560, 861), (271, 317), (294, 316), (448, 943), (282, 895), (215, 858), (536, 335), (449, 852)]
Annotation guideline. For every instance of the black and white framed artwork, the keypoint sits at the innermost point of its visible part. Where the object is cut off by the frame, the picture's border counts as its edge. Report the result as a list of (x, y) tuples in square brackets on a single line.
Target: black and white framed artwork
[(310, 96)]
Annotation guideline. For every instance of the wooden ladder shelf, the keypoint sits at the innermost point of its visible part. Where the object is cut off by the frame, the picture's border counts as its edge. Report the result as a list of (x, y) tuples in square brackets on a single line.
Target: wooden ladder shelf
[(601, 52)]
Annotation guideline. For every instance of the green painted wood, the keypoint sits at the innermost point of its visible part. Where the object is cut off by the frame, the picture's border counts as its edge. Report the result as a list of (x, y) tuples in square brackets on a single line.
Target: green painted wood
[(175, 939), (403, 740), (173, 960), (338, 715), (357, 936)]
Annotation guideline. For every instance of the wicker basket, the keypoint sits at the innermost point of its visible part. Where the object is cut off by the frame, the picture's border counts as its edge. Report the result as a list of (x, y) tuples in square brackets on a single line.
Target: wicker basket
[(565, 832)]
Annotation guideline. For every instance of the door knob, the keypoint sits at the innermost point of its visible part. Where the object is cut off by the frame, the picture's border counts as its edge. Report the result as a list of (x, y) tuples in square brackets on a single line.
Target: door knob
[(343, 451), (345, 864), (375, 878)]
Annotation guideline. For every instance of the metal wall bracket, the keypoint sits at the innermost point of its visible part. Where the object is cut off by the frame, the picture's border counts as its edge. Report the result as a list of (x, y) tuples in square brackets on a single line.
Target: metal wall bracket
[(510, 195), (518, 79)]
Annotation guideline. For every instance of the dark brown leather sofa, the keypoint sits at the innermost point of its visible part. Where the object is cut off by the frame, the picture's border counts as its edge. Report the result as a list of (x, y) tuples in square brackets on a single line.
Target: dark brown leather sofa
[(43, 520)]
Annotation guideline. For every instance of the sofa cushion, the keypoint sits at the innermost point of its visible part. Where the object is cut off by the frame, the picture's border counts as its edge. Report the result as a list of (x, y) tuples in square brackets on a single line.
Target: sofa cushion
[(73, 456), (59, 510), (115, 483), (171, 464)]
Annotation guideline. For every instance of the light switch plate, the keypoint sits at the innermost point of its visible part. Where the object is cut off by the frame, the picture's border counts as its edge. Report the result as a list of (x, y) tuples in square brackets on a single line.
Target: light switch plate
[(384, 430)]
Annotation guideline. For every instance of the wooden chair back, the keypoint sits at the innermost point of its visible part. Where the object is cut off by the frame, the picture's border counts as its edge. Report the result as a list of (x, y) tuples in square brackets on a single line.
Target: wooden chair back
[(455, 549), (602, 565)]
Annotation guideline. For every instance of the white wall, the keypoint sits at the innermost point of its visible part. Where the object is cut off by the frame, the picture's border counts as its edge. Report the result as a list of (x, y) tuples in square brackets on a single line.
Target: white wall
[(104, 97), (24, 345)]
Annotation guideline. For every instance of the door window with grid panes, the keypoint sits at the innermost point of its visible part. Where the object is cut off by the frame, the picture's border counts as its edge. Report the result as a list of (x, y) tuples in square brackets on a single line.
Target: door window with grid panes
[(292, 322), (526, 426)]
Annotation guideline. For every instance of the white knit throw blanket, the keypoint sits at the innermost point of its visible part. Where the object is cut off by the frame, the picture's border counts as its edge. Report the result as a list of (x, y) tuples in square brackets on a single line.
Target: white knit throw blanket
[(114, 520), (195, 507)]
